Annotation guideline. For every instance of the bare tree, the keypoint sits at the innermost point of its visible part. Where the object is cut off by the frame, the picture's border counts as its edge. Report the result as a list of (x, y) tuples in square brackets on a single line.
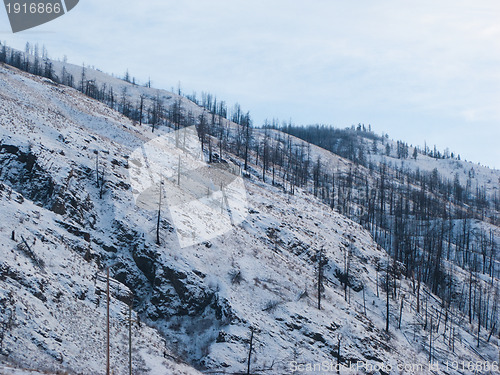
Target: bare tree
[(320, 276), (250, 350)]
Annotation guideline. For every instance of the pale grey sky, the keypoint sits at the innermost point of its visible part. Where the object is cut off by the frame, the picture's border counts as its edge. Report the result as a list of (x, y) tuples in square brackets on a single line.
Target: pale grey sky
[(418, 70)]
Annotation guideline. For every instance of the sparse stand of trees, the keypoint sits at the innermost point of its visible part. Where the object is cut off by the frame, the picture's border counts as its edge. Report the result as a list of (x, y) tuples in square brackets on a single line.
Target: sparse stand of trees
[(426, 222)]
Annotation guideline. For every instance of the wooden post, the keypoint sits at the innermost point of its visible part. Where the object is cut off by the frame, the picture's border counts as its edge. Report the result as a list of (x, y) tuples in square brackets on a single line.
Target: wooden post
[(130, 337), (107, 324), (159, 217)]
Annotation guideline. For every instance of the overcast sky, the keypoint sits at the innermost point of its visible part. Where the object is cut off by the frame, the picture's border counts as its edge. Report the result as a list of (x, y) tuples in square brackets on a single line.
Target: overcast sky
[(417, 70)]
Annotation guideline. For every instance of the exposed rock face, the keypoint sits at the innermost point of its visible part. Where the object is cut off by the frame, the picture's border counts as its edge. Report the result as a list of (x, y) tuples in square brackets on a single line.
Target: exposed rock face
[(22, 172)]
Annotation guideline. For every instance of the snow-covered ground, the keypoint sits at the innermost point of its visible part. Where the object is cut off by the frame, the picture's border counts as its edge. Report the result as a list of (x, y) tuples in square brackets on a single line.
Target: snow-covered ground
[(480, 175), (196, 303)]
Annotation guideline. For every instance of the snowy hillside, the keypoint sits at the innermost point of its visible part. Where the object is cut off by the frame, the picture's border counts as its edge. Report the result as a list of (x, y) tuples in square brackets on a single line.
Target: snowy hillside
[(68, 210), (448, 168)]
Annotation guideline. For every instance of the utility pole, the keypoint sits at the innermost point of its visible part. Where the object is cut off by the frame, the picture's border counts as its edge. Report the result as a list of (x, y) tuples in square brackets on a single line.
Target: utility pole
[(107, 323), (130, 337), (108, 341), (159, 216)]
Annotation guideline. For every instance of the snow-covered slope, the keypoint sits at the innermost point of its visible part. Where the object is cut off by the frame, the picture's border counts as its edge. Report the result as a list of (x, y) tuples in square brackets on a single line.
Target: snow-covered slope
[(199, 303), (449, 168)]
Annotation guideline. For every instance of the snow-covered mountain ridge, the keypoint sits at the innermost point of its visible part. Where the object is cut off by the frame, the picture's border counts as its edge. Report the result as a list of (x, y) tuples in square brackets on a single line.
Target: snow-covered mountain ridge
[(198, 303)]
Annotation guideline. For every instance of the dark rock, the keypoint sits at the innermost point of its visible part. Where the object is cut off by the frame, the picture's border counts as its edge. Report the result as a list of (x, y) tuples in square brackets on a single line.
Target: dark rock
[(145, 261), (315, 336)]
